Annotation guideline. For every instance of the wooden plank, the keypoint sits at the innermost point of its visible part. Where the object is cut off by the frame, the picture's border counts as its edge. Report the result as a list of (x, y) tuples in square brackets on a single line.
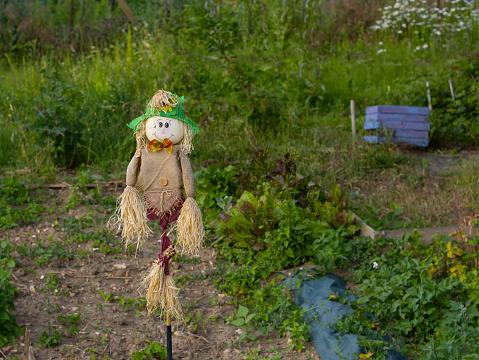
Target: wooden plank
[(118, 183), (370, 125), (371, 139), (411, 141), (427, 233), (397, 117), (365, 230), (391, 109), (411, 134)]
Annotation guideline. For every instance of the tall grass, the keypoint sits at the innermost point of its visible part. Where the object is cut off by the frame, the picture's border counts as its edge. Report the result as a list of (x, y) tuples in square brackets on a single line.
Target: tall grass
[(256, 81)]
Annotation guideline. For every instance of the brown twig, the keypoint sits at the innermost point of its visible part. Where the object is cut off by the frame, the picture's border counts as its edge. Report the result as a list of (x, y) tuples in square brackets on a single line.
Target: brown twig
[(198, 336), (65, 185)]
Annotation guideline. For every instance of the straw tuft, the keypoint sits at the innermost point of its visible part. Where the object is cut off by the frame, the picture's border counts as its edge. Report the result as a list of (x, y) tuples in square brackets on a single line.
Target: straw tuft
[(163, 100), (189, 227), (162, 294), (130, 218)]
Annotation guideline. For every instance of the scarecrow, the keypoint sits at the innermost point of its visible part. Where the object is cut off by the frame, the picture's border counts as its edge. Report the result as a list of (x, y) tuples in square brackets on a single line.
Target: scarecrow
[(156, 179)]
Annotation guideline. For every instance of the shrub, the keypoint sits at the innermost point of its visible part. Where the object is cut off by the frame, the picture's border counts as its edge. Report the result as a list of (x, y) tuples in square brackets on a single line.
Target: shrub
[(9, 329)]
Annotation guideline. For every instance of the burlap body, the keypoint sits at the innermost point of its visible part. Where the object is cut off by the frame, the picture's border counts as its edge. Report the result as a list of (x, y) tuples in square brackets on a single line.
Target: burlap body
[(149, 172)]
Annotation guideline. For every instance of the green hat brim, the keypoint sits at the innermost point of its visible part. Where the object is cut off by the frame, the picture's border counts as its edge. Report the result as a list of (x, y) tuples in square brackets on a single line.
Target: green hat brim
[(177, 112)]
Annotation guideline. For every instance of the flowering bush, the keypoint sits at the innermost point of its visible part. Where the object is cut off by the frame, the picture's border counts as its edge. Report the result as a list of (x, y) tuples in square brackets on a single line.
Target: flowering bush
[(409, 17)]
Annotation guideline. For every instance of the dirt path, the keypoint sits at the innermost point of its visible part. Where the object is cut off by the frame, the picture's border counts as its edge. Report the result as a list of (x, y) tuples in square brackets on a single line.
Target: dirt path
[(440, 163)]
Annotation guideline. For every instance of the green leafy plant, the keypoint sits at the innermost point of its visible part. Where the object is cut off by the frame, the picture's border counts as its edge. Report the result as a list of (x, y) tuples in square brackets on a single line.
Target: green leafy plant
[(43, 253), (378, 348), (216, 186), (242, 318), (272, 304), (153, 351), (49, 338), (51, 282), (106, 297), (71, 321), (125, 303), (9, 329), (17, 203), (458, 336)]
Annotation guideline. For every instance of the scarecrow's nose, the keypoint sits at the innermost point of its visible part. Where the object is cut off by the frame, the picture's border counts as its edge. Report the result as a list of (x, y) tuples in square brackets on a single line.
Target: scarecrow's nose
[(163, 132)]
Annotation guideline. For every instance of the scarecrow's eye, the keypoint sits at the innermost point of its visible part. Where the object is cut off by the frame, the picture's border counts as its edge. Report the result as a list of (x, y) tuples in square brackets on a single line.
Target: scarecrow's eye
[(166, 125), (160, 124)]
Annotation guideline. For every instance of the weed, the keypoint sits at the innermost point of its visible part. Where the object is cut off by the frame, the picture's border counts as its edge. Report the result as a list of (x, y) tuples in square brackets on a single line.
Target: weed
[(153, 351), (51, 282), (74, 199), (71, 321), (195, 321), (9, 329), (49, 338), (106, 297), (272, 303), (242, 318), (44, 253), (125, 303)]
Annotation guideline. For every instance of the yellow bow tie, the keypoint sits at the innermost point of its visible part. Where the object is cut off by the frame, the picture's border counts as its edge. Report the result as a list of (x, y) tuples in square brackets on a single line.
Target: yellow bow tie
[(156, 145)]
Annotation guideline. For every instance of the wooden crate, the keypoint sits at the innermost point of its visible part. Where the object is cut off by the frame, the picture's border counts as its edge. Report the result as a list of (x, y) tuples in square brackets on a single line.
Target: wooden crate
[(398, 124)]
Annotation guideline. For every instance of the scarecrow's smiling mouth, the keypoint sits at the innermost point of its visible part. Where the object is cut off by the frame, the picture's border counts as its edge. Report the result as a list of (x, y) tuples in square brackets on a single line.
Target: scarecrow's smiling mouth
[(166, 137)]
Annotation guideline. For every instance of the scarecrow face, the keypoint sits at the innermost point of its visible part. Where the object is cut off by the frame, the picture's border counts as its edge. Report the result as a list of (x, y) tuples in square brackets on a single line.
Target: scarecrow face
[(160, 128)]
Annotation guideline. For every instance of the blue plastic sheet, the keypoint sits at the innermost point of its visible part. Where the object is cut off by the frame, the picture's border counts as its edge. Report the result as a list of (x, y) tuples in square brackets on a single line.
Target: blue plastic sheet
[(313, 296)]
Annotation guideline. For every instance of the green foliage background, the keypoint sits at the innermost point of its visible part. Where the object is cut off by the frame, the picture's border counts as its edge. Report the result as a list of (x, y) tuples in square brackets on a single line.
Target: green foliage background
[(254, 71)]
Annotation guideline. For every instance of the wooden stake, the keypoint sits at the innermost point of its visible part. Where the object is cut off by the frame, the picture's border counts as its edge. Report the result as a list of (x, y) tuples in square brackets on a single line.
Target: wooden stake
[(26, 342), (353, 118), (451, 87), (126, 9), (429, 102)]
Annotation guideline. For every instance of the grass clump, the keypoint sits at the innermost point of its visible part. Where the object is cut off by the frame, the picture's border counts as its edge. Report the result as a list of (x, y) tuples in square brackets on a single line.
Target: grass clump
[(17, 203)]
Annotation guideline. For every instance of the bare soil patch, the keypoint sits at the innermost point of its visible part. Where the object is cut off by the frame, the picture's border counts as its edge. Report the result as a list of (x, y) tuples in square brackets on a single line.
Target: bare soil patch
[(108, 330)]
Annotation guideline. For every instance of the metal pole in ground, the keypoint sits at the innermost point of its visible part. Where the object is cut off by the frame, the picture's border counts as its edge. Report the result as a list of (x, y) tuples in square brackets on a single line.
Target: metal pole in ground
[(169, 349), (353, 118)]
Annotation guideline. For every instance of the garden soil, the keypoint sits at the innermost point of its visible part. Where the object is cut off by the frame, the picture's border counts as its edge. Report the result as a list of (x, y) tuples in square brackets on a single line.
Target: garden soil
[(110, 331), (107, 330)]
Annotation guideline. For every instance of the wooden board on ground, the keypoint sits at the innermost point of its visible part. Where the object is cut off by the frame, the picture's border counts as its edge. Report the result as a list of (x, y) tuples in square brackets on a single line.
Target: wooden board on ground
[(428, 234), (365, 230)]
